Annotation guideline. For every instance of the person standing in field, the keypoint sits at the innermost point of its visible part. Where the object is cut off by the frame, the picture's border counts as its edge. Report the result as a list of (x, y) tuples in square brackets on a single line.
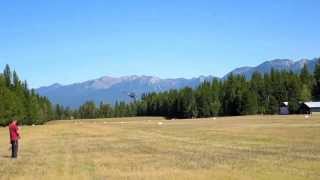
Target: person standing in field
[(14, 137)]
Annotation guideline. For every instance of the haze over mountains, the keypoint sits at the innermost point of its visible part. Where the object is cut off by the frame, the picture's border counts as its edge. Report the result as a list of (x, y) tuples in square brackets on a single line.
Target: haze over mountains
[(112, 89), (277, 64)]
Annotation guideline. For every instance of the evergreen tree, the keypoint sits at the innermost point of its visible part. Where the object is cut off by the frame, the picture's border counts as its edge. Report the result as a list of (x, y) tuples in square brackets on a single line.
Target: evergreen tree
[(7, 75), (188, 103), (305, 93), (273, 105), (105, 110), (258, 88), (215, 104), (204, 100), (316, 84), (249, 103), (305, 77), (18, 102), (88, 110)]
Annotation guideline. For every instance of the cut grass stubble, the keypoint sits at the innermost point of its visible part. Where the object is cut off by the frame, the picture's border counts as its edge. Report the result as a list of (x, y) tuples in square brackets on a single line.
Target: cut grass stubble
[(249, 147)]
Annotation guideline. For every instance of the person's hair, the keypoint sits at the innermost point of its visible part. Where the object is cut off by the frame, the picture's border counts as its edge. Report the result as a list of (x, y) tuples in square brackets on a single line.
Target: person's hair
[(17, 122)]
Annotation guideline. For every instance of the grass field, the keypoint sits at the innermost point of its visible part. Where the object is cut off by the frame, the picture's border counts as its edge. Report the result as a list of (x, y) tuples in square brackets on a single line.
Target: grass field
[(245, 148)]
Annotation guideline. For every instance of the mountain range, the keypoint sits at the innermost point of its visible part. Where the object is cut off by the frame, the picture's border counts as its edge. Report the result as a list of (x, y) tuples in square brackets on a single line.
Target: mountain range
[(111, 89), (277, 64)]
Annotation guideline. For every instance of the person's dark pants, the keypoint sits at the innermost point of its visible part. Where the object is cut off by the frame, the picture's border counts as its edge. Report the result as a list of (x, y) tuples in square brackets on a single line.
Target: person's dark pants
[(14, 148)]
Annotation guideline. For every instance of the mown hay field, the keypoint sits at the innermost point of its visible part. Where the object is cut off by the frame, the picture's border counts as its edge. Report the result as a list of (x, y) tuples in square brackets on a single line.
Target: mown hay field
[(245, 148)]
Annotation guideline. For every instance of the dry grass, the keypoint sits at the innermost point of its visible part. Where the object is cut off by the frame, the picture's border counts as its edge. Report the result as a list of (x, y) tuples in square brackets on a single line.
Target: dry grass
[(251, 147)]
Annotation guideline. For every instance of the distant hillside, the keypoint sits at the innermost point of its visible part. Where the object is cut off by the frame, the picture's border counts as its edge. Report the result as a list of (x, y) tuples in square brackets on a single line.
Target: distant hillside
[(277, 64), (111, 89)]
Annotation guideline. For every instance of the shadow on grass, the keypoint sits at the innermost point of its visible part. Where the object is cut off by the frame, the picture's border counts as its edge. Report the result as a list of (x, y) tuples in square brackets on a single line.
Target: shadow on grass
[(6, 156)]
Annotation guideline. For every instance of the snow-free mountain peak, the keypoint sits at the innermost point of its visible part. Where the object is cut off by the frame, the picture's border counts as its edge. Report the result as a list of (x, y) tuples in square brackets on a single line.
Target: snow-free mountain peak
[(276, 64), (112, 89)]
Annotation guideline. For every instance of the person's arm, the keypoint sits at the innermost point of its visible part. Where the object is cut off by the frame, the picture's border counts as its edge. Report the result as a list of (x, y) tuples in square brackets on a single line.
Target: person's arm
[(17, 132), (10, 137)]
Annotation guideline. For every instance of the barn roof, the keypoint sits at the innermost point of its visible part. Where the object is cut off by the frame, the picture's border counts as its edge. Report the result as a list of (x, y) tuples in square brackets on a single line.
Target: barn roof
[(312, 104)]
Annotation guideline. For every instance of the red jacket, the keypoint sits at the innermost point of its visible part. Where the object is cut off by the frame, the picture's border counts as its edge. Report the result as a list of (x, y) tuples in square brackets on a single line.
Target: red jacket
[(14, 132)]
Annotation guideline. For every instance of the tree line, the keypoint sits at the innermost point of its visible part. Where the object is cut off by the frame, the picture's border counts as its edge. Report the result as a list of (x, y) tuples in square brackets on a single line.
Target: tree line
[(18, 102), (236, 95)]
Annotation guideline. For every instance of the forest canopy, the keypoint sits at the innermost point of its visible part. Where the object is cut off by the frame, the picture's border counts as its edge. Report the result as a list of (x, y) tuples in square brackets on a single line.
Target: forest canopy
[(236, 95), (20, 103)]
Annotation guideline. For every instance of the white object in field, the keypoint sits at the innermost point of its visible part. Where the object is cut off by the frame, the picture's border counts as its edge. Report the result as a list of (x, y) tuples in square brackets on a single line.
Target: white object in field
[(33, 125), (306, 116), (214, 118), (160, 123)]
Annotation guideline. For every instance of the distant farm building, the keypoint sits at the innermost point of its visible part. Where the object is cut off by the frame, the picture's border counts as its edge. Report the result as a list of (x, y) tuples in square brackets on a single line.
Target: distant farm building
[(310, 108), (284, 108)]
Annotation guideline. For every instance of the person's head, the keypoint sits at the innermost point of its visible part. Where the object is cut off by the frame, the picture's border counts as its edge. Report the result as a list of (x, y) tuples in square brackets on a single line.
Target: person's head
[(14, 121)]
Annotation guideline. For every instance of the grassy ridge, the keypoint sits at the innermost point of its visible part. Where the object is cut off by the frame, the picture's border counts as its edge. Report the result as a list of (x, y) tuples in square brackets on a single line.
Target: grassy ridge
[(249, 147)]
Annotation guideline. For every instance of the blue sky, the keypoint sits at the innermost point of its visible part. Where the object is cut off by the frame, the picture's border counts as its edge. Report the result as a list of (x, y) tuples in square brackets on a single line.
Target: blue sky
[(72, 41)]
